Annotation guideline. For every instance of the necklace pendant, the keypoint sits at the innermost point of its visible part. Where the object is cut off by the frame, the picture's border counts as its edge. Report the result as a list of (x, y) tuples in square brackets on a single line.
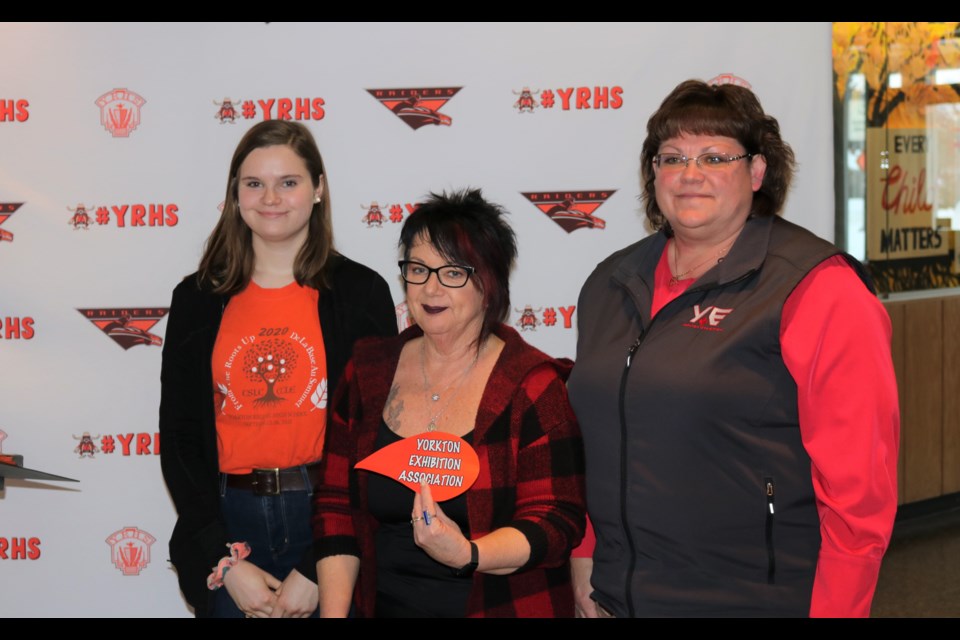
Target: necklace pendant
[(431, 427), (435, 397), (673, 281)]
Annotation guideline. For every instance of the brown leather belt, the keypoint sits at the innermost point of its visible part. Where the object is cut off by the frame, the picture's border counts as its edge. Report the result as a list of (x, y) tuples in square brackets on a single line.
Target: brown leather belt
[(272, 482)]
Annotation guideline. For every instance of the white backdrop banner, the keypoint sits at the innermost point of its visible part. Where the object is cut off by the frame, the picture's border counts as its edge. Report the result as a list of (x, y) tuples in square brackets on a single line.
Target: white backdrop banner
[(116, 140)]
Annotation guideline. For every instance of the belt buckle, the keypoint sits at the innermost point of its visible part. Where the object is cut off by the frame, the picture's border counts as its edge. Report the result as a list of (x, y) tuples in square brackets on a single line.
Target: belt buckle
[(267, 482)]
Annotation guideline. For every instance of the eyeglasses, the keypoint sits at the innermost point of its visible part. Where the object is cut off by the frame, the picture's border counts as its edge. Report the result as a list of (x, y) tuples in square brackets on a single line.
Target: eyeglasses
[(452, 276), (705, 161)]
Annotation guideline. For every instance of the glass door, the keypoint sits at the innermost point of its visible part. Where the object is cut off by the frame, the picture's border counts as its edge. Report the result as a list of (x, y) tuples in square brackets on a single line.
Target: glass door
[(897, 97)]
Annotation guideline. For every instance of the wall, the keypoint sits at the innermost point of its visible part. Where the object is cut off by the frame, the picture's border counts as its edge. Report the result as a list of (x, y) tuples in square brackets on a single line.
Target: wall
[(593, 86), (926, 357)]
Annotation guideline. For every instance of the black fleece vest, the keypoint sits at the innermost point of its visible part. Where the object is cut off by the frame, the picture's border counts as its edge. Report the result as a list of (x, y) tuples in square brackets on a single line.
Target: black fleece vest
[(707, 506)]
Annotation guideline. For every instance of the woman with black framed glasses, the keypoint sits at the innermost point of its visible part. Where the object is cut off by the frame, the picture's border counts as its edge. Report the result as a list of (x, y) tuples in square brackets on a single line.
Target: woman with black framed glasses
[(501, 548)]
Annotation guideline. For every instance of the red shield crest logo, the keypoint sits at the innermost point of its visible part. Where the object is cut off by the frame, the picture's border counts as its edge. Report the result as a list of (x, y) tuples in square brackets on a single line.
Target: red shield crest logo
[(404, 319), (120, 111), (130, 550), (729, 78)]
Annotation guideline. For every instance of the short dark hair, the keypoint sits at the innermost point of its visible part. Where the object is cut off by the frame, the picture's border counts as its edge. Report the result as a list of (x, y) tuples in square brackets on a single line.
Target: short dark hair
[(698, 108), (470, 231), (227, 263)]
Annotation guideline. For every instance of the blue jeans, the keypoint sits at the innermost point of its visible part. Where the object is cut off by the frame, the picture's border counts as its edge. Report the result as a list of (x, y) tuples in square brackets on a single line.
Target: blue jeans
[(277, 528)]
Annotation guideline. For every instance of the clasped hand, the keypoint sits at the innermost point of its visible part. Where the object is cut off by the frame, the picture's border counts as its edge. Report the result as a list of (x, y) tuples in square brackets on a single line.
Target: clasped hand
[(258, 594)]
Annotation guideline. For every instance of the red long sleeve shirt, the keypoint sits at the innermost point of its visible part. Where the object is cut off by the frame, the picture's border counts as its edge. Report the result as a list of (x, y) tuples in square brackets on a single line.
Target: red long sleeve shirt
[(834, 339)]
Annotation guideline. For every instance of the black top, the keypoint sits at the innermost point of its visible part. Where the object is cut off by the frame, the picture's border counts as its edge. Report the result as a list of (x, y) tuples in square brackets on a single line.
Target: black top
[(411, 584)]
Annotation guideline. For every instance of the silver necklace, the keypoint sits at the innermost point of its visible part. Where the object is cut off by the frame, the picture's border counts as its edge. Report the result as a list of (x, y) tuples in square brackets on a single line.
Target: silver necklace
[(432, 425), (676, 262)]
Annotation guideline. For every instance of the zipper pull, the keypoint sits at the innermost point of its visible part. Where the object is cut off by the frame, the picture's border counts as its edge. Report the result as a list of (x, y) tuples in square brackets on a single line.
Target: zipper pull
[(633, 349), (770, 495)]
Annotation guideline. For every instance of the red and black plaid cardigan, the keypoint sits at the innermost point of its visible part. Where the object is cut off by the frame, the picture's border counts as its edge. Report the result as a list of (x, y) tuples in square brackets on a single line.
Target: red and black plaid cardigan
[(531, 474)]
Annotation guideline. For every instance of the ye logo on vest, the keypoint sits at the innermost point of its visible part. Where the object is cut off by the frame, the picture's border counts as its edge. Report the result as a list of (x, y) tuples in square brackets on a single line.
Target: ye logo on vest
[(707, 316)]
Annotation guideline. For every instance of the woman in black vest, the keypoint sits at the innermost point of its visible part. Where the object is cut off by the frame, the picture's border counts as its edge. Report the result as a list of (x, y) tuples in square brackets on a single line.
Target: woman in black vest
[(734, 387)]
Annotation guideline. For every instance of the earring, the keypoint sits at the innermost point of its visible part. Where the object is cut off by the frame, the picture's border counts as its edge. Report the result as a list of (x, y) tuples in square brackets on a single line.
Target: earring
[(316, 199)]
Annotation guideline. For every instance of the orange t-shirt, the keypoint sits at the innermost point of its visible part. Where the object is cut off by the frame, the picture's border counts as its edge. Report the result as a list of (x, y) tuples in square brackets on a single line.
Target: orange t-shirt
[(270, 379)]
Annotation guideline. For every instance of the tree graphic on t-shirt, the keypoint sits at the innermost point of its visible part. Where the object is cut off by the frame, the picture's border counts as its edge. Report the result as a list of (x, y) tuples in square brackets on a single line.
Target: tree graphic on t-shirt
[(269, 362)]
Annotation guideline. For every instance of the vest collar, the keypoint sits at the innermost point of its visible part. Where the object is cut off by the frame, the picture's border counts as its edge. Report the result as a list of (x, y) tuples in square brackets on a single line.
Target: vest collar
[(635, 270)]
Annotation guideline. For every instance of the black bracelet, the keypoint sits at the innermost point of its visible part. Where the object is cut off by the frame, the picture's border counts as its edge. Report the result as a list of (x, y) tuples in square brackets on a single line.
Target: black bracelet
[(468, 569)]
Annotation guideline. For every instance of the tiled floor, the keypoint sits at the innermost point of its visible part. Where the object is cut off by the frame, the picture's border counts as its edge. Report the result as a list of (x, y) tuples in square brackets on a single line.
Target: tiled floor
[(920, 576)]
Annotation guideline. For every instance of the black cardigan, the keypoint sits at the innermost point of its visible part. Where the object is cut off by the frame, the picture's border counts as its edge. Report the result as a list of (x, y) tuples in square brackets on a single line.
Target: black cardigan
[(357, 304)]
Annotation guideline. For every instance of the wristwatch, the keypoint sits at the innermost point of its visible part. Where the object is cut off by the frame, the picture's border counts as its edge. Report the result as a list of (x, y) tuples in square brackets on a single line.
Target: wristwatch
[(467, 570)]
